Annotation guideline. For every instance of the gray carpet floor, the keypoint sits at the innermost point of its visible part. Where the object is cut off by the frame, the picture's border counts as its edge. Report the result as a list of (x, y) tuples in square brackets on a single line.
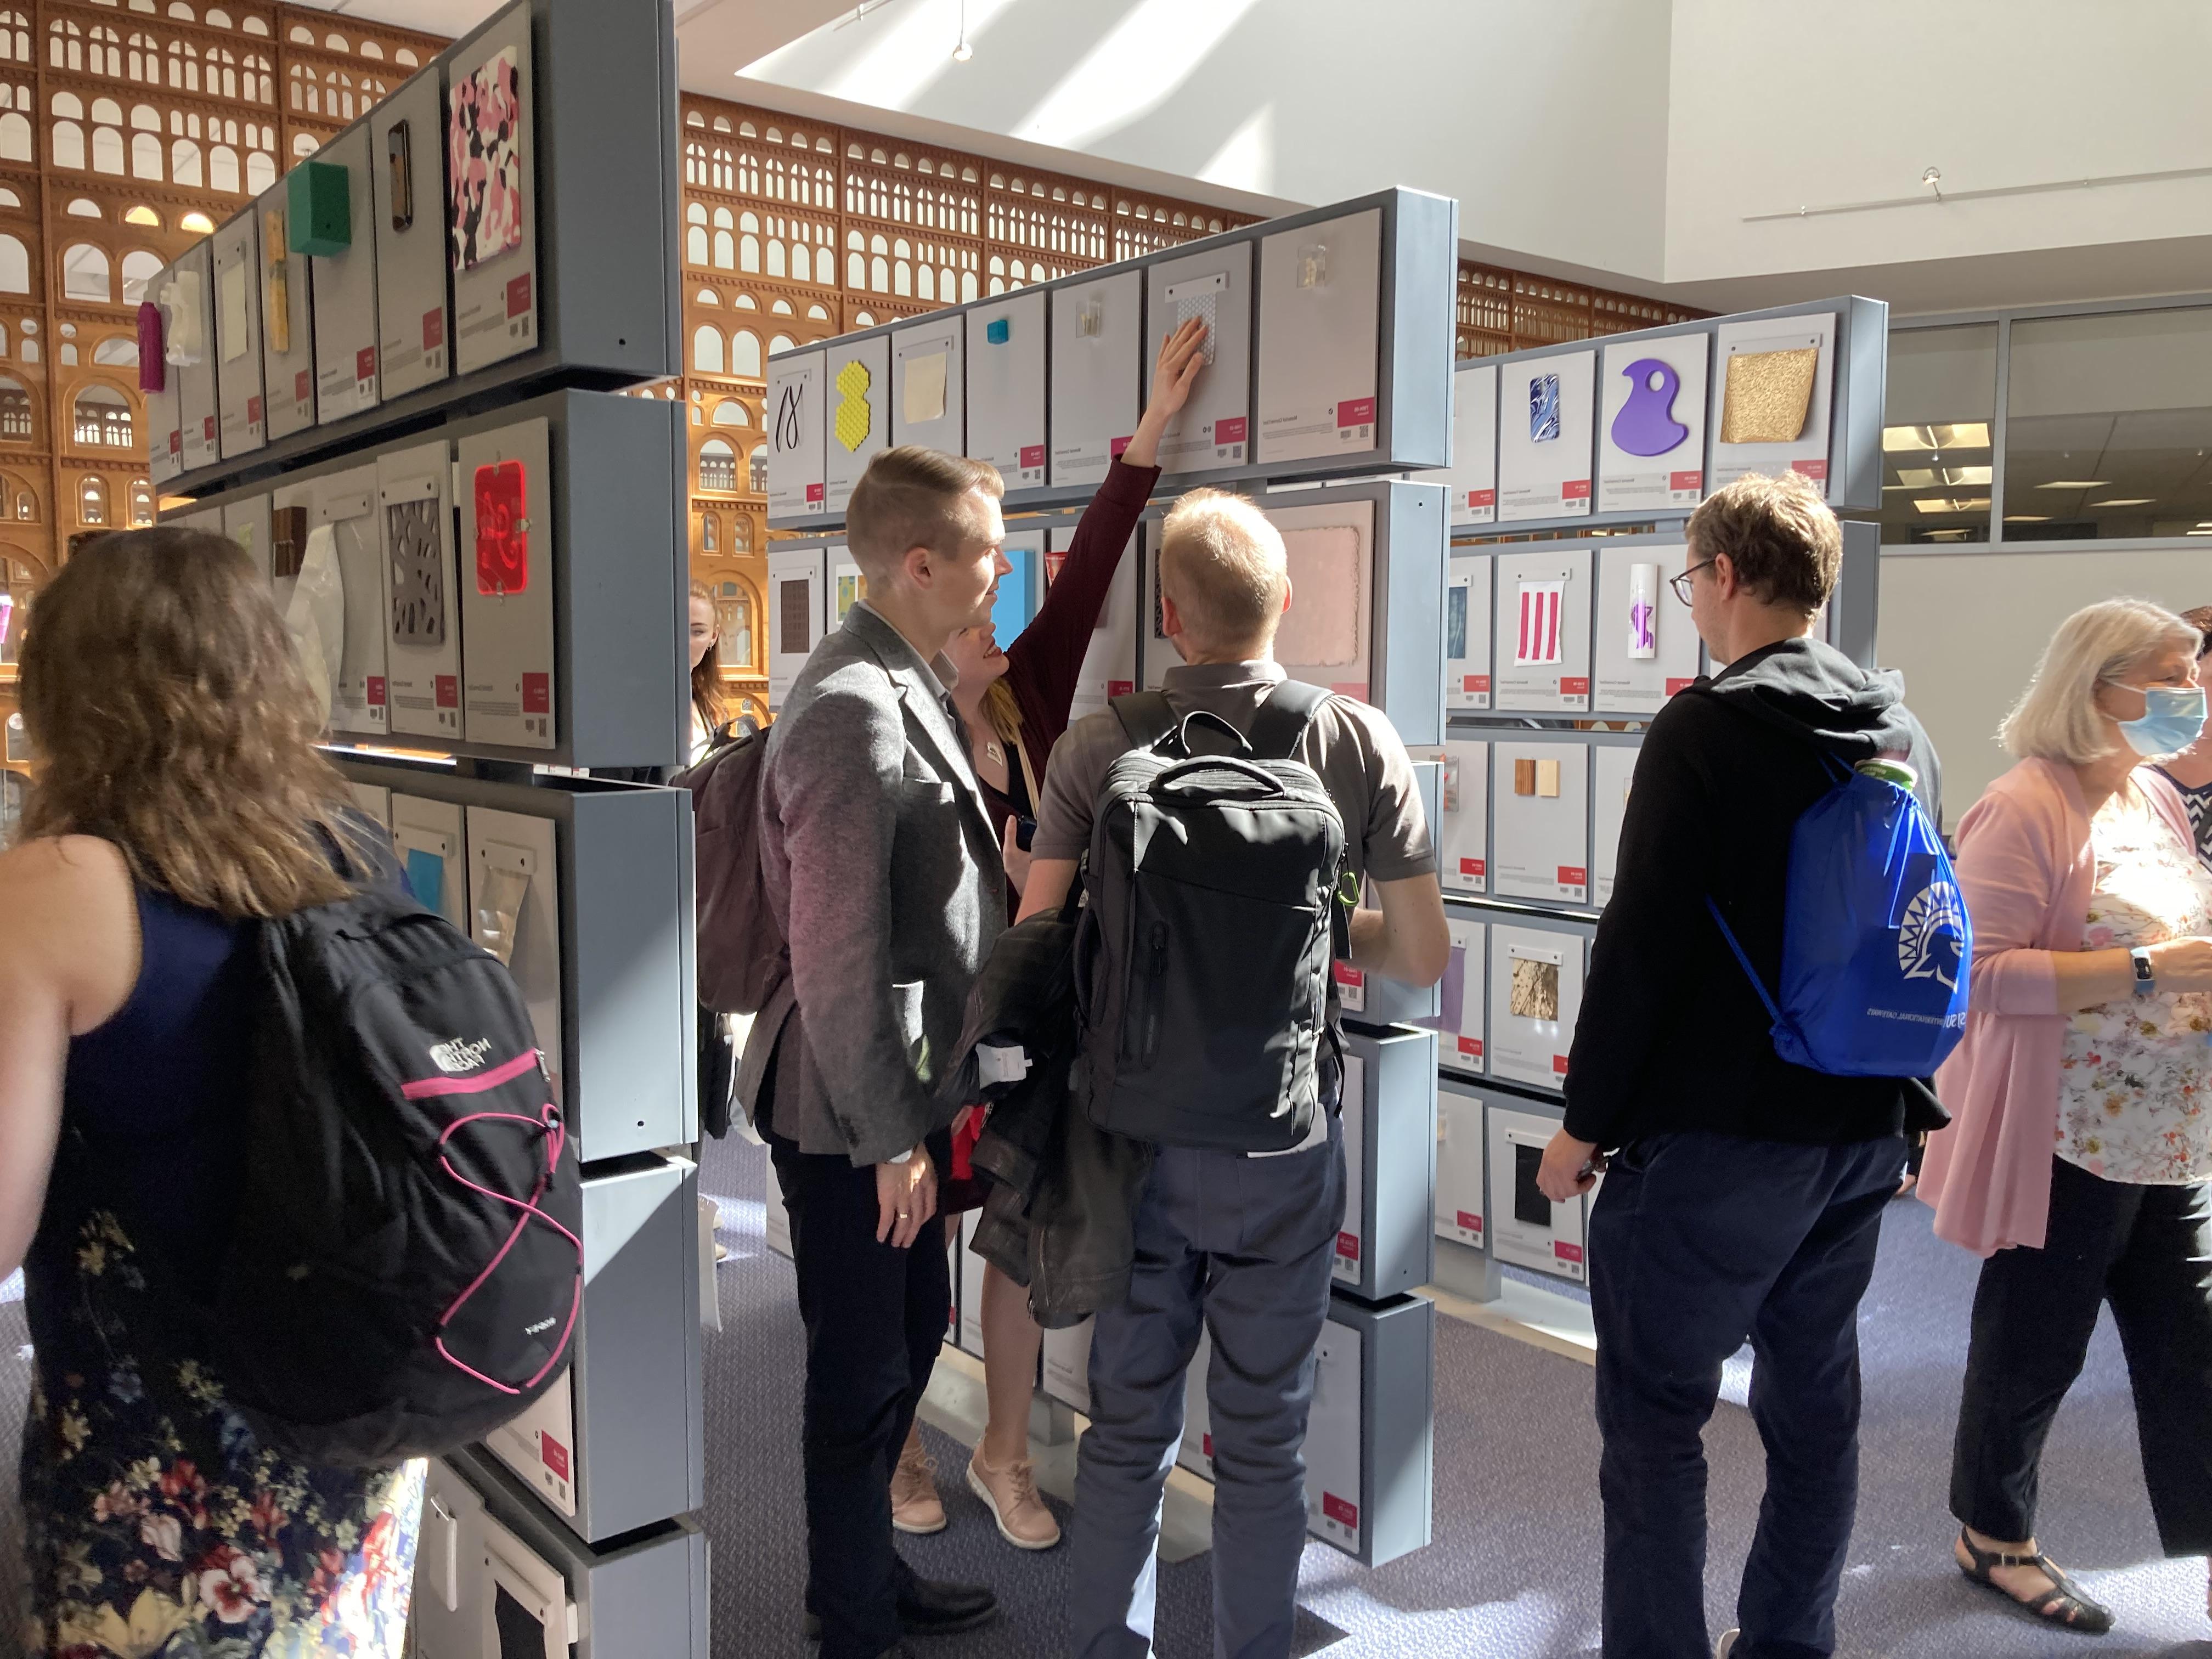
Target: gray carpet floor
[(1512, 1572)]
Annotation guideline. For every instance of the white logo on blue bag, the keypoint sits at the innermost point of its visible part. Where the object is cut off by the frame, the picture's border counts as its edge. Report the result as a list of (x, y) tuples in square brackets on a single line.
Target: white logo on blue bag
[(1927, 937)]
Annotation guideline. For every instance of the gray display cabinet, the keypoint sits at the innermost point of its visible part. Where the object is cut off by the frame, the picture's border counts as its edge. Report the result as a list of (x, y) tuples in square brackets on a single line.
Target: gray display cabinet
[(598, 267), (1381, 1505), (494, 1577), (1385, 1246), (1360, 309), (625, 961), (1847, 399)]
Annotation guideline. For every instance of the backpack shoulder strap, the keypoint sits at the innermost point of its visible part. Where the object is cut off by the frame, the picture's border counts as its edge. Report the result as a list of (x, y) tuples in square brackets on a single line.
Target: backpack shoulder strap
[(1280, 724), (1146, 716)]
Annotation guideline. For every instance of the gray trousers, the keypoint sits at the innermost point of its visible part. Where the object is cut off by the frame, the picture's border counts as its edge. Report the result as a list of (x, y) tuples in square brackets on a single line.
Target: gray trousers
[(1246, 1245)]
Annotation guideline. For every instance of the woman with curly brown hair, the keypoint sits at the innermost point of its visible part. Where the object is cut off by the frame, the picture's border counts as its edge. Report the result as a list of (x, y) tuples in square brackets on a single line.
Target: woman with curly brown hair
[(181, 803)]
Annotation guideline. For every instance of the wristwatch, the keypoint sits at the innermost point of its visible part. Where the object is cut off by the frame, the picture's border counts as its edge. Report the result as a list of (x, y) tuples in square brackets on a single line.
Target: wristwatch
[(2146, 980)]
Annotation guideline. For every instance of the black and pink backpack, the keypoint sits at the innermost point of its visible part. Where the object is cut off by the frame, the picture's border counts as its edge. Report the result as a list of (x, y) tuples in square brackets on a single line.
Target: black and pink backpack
[(407, 1272)]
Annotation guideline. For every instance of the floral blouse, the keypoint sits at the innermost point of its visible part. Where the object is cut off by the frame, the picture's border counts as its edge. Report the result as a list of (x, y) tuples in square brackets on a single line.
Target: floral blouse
[(2136, 1078)]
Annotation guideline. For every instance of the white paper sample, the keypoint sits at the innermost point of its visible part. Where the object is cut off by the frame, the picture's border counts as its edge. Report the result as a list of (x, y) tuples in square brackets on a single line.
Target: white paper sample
[(1531, 1047), (1651, 423), (1613, 768), (1319, 339), (230, 323), (1460, 1199), (1474, 444), (925, 387), (1463, 840), (1543, 631), (1773, 340), (1627, 684), (1006, 386), (929, 401), (1097, 343), (1467, 631), (1544, 436), (1214, 429), (1541, 842), (242, 426), (797, 388)]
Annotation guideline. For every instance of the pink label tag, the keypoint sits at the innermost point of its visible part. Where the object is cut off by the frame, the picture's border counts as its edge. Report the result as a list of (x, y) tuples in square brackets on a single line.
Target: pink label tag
[(253, 411), (364, 363), (1471, 1047), (434, 330), (1574, 685), (1675, 686), (447, 690), (1565, 1251), (1355, 411), (1471, 867), (1337, 1509), (303, 386), (207, 428), (1205, 1444), (1230, 430), (555, 1454), (1348, 975), (1478, 683), (1686, 481), (1116, 447), (816, 493), (1575, 489), (1573, 875), (376, 699), (1471, 1222), (1120, 687), (1482, 498), (176, 442), (536, 694), (1032, 455), (1815, 470), (1347, 1246), (1558, 1065), (518, 296)]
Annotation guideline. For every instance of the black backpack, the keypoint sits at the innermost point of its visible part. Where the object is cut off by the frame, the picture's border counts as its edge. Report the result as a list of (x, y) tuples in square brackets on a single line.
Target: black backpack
[(406, 1274), (1202, 961)]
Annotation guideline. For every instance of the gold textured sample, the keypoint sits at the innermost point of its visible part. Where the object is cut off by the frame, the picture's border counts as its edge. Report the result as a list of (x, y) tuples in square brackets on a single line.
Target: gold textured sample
[(1524, 777), (1548, 779), (1769, 393), (1535, 994), (855, 419)]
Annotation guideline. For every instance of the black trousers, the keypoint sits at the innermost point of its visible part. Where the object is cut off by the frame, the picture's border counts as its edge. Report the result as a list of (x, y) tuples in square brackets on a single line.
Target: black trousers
[(874, 1318), (1698, 1241), (2148, 1250)]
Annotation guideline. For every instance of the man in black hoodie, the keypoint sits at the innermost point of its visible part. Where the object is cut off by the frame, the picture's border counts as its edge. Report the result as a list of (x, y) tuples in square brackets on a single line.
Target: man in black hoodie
[(1744, 1195)]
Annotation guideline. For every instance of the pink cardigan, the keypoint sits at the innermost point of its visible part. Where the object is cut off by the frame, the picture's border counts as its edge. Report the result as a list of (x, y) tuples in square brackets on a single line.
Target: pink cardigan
[(2026, 869)]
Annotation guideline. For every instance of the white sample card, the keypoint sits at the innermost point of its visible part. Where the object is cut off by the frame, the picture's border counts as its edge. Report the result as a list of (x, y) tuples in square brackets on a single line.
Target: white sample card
[(797, 481), (1463, 836), (1613, 768), (433, 850), (1325, 637), (1543, 424), (345, 505), (856, 401), (1109, 661), (1097, 347), (345, 309), (1214, 429), (515, 912), (1474, 444), (407, 158), (1333, 1445), (1540, 832), (186, 299), (847, 587), (1462, 996), (1352, 1231), (491, 203), (1647, 645), (508, 684), (246, 523), (1526, 1228), (1467, 631), (540, 1444), (243, 425), (1195, 1452), (415, 515), (1066, 1365), (1535, 994), (1320, 318), (1651, 424), (1541, 636), (797, 578), (1006, 387), (971, 1286), (1773, 384), (929, 383), (1460, 1199), (288, 334)]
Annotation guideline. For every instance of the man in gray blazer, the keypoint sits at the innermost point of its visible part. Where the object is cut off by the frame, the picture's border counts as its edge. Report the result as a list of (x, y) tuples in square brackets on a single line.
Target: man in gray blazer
[(884, 870)]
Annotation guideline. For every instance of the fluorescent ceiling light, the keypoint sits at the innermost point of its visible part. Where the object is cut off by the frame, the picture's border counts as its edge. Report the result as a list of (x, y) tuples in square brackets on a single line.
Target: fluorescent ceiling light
[(2126, 500), (1967, 475), (1952, 503), (1952, 435), (2196, 532), (2027, 518), (1914, 477), (2074, 483)]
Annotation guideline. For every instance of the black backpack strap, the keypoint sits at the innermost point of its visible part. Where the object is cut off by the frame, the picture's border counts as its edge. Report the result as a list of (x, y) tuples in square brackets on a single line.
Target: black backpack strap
[(1146, 716), (1280, 724)]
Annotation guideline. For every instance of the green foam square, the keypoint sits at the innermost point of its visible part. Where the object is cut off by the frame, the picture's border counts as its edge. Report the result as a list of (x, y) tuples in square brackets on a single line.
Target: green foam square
[(319, 196)]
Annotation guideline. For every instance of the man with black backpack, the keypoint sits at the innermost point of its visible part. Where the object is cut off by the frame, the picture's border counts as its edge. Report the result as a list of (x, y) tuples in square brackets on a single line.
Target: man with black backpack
[(1223, 820), (1744, 1191)]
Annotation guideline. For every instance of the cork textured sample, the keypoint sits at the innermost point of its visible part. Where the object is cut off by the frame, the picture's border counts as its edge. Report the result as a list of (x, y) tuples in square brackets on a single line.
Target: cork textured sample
[(1768, 395), (1535, 993)]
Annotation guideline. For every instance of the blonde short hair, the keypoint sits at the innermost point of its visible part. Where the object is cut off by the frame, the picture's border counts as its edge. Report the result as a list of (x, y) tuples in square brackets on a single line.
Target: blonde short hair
[(2056, 718), (912, 497), (1782, 538), (1223, 564)]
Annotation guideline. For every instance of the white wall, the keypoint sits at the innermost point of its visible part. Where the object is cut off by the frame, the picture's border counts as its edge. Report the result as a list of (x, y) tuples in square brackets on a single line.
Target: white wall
[(1779, 104), (1968, 631), (1547, 122)]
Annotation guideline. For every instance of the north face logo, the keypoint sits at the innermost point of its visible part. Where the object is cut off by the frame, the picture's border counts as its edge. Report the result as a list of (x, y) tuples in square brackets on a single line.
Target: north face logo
[(460, 1056), (1929, 937)]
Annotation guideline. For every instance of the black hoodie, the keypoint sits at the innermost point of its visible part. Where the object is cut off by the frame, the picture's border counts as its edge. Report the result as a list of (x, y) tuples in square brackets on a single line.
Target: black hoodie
[(1672, 1035)]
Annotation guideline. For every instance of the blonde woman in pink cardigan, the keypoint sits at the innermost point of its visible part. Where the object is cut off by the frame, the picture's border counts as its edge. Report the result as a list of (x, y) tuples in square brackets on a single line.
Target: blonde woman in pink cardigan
[(2078, 1161)]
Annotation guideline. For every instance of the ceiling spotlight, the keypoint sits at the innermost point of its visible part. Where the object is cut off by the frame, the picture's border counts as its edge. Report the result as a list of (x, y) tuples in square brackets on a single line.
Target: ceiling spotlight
[(963, 51)]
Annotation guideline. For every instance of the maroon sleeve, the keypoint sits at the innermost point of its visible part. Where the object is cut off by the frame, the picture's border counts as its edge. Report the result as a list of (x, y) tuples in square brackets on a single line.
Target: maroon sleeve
[(1043, 664)]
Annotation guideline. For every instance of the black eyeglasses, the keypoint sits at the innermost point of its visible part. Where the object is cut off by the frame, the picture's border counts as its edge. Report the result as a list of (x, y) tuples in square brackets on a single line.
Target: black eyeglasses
[(1682, 584)]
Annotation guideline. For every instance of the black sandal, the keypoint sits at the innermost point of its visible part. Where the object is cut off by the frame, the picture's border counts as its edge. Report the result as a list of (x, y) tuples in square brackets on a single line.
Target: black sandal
[(2064, 1605)]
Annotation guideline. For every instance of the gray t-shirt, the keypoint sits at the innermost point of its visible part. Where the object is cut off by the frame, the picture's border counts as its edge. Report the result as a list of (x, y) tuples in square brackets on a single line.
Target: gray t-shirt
[(1353, 750)]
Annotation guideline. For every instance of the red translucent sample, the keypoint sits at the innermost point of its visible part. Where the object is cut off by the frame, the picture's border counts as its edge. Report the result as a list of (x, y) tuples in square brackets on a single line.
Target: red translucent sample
[(503, 528)]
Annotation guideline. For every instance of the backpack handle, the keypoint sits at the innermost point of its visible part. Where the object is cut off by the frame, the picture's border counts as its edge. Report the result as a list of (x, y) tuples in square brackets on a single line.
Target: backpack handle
[(1178, 741), (1175, 780)]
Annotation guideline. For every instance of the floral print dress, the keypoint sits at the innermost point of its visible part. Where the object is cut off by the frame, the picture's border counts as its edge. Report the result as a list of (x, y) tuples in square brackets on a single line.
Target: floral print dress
[(2135, 1087)]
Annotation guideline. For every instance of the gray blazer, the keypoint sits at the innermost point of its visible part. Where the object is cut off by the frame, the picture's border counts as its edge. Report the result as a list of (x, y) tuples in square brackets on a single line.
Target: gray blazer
[(883, 867)]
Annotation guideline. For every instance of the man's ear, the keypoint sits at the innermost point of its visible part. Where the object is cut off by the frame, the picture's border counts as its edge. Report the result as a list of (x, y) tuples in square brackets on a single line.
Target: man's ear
[(1725, 581), (1287, 596), (917, 566), (1170, 623)]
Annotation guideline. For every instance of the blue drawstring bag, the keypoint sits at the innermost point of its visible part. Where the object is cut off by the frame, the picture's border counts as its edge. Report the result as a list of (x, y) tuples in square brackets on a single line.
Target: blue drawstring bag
[(1875, 941)]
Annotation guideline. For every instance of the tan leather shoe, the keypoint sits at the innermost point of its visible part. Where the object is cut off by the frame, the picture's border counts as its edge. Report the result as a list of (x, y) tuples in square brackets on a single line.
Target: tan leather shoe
[(1011, 1492), (916, 1506)]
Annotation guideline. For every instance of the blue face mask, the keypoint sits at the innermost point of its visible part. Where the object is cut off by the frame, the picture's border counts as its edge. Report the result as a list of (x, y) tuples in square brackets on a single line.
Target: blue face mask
[(2172, 718)]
